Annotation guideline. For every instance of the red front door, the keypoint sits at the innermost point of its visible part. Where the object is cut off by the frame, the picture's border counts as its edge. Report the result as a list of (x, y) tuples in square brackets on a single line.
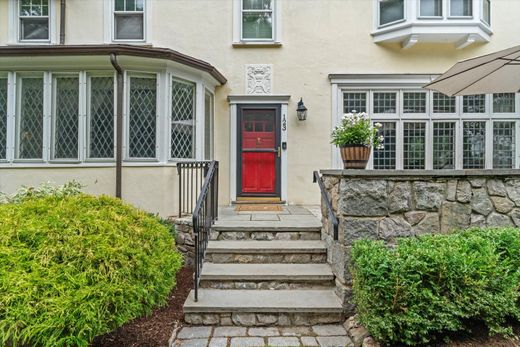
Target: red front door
[(259, 152)]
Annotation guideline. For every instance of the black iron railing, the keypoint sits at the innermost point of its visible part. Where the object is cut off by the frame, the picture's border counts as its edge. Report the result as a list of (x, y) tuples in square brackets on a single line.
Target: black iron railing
[(191, 178), (328, 204), (204, 215)]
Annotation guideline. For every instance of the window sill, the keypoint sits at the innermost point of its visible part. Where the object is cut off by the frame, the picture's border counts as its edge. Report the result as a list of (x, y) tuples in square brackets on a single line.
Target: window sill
[(257, 44)]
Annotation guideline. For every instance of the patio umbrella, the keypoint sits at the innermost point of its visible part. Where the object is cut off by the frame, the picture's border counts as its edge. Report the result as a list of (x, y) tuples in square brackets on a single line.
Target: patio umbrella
[(491, 73)]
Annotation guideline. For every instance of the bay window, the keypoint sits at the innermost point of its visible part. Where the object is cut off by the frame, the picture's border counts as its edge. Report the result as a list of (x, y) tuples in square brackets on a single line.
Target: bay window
[(142, 122), (390, 11), (34, 20), (3, 118), (461, 8), (65, 112), (30, 118), (430, 8), (183, 119), (257, 18), (129, 20), (486, 11), (100, 113)]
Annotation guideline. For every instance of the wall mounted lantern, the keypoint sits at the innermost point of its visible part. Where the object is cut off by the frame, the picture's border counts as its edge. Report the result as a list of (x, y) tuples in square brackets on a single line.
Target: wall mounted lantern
[(301, 111)]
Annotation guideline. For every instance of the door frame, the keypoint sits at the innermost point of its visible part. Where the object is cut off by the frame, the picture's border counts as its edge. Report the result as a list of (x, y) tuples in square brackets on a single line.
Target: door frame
[(234, 102), (278, 143)]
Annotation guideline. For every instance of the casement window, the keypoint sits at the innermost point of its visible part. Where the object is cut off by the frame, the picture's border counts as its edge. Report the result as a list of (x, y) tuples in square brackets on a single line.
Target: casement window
[(65, 111), (3, 118), (429, 130), (30, 118), (257, 19), (430, 8), (390, 11), (142, 122), (461, 8), (208, 126), (486, 11), (129, 20), (182, 119), (34, 20), (100, 113)]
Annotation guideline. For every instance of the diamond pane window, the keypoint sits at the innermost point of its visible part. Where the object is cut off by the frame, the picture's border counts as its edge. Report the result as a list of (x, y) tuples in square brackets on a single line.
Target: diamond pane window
[(208, 126), (66, 118), (30, 126), (183, 120), (444, 145), (3, 118), (385, 158), (443, 103), (385, 102), (34, 19), (354, 102), (474, 103), (474, 145), (504, 145), (414, 102), (257, 19), (414, 140), (143, 117), (129, 20), (504, 103), (101, 118)]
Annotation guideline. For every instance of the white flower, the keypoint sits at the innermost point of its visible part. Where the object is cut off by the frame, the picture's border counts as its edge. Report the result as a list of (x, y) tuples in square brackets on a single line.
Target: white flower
[(378, 125)]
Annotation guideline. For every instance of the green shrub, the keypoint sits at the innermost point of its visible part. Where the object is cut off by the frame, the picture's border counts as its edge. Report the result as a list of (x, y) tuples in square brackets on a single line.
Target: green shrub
[(438, 284), (43, 190), (75, 267)]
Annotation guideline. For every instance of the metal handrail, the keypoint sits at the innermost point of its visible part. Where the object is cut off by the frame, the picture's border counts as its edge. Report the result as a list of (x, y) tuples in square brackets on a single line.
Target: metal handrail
[(191, 178), (334, 220), (204, 215)]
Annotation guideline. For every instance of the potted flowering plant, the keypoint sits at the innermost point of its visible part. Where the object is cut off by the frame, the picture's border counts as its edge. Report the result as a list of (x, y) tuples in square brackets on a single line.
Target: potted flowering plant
[(355, 136)]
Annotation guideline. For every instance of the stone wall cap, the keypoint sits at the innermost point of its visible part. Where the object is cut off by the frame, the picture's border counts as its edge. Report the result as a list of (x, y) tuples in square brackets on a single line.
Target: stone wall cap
[(400, 174)]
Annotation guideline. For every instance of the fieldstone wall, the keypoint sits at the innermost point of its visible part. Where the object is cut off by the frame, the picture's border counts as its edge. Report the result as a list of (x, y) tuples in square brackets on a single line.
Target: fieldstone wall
[(184, 240), (384, 205)]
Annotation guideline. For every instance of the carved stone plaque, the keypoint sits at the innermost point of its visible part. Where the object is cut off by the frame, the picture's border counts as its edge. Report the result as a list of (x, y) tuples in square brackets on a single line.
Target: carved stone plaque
[(259, 79)]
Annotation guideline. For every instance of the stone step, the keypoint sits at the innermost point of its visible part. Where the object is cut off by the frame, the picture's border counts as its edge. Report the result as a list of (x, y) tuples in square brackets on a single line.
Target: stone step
[(283, 223), (266, 276), (263, 307), (266, 252), (223, 235)]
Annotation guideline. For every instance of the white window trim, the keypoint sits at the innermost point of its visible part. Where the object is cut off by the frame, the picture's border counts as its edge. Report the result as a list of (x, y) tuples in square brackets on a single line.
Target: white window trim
[(14, 25), (378, 15), (211, 154), (237, 26), (486, 22), (450, 16), (440, 17), (109, 23), (384, 84)]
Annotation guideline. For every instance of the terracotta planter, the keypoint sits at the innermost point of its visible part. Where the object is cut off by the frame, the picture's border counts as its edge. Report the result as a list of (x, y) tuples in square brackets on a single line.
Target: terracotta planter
[(355, 156)]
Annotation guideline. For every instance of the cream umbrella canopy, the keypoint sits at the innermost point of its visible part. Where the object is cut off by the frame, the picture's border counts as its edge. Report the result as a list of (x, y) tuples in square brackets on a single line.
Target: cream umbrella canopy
[(492, 73)]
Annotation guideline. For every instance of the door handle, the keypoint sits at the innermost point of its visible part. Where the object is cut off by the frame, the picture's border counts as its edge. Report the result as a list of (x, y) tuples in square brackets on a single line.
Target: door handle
[(279, 152)]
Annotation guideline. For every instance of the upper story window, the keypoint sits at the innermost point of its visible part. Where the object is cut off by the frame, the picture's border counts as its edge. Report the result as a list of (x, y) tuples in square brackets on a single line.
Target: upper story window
[(34, 20), (390, 11), (257, 20), (430, 8), (461, 8), (129, 20), (486, 12)]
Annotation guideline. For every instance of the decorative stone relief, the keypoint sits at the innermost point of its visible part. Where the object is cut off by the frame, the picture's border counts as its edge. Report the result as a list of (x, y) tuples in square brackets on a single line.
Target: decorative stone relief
[(259, 79)]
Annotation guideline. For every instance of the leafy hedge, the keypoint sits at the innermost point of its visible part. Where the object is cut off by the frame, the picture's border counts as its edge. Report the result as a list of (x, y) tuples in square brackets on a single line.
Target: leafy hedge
[(437, 284), (75, 266)]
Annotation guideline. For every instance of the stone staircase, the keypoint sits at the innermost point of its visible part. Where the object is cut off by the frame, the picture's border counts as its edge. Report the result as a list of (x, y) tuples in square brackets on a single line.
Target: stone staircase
[(271, 271)]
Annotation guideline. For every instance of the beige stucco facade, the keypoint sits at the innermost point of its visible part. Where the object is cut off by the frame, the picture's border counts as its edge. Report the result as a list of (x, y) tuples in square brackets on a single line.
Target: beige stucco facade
[(318, 38)]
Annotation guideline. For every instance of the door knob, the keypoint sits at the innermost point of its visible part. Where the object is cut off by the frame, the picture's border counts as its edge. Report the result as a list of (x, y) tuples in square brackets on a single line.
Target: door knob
[(258, 140)]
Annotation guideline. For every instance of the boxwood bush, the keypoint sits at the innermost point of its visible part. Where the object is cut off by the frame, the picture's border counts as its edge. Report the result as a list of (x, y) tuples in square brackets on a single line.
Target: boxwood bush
[(433, 285), (76, 266)]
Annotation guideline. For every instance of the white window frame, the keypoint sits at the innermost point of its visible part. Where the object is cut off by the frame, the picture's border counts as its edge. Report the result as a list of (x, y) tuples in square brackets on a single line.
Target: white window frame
[(211, 154), (14, 24), (378, 12), (276, 38), (484, 20), (441, 16), (109, 23), (450, 16)]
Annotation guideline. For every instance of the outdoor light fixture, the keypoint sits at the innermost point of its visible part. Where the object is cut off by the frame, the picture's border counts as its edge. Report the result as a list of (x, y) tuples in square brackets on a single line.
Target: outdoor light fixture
[(301, 111)]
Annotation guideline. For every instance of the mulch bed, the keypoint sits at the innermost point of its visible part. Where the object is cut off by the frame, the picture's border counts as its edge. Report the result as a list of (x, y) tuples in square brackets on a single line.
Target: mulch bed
[(156, 329)]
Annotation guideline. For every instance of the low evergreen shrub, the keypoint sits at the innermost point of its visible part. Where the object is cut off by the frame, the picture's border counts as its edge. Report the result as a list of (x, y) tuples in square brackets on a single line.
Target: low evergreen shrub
[(76, 266), (433, 285)]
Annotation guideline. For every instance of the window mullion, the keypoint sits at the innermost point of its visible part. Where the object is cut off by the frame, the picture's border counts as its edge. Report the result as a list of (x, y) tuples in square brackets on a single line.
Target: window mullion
[(489, 145), (199, 121), (11, 118), (47, 115), (82, 125), (399, 144), (458, 145), (428, 148)]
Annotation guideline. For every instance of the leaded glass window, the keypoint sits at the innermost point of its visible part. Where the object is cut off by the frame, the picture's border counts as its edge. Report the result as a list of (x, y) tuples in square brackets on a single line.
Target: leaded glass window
[(30, 125), (208, 126), (390, 11), (34, 20), (414, 102), (66, 118), (474, 145), (143, 117), (474, 103), (354, 102), (101, 118), (257, 19), (385, 158), (443, 103), (444, 145), (183, 120), (385, 102), (414, 142), (504, 145), (504, 103), (129, 20), (3, 118)]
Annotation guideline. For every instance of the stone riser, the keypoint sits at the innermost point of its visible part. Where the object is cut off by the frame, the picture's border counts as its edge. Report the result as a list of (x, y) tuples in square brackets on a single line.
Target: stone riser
[(270, 285), (264, 235), (263, 319), (294, 258)]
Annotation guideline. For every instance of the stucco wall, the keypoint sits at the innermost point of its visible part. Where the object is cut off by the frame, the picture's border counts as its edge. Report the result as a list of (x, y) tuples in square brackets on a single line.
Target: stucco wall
[(318, 38)]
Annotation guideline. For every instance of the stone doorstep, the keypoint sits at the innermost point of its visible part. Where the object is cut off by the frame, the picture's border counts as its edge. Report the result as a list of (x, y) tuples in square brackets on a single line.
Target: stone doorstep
[(289, 223), (255, 247)]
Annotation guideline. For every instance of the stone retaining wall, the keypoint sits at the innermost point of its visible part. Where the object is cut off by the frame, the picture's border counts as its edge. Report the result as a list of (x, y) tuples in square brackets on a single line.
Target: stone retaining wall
[(384, 205), (185, 241)]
